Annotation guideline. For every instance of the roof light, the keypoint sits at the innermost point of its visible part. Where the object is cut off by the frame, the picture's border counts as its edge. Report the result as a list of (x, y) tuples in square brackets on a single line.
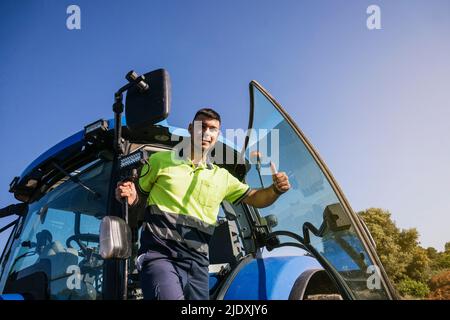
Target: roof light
[(134, 159), (94, 130)]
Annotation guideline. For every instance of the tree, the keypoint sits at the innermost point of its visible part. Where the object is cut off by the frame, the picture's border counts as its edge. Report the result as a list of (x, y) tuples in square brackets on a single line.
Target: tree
[(396, 248), (384, 232), (439, 260), (419, 267), (432, 253), (442, 261), (415, 271), (406, 263)]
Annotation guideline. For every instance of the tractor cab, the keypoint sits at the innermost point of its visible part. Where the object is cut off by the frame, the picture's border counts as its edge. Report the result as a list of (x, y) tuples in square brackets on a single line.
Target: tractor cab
[(306, 245)]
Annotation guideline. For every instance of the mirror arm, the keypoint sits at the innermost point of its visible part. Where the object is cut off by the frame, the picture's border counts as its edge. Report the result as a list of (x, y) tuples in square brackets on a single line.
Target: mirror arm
[(118, 110), (307, 226), (9, 225), (118, 107)]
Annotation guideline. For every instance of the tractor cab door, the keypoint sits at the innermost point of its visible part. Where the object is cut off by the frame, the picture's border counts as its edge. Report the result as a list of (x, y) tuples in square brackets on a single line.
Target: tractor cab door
[(314, 209)]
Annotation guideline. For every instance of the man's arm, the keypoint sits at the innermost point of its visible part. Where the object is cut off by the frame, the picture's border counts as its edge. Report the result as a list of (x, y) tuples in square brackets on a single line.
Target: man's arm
[(261, 198)]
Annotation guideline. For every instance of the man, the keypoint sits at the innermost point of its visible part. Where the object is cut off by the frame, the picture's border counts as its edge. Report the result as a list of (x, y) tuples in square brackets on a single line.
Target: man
[(184, 195)]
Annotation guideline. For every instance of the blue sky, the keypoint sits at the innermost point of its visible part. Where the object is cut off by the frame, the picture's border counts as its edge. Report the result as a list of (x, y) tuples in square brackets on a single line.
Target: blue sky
[(375, 103)]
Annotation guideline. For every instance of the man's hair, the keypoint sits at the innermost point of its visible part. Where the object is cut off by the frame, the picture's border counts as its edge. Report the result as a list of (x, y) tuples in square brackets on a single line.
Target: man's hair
[(207, 112)]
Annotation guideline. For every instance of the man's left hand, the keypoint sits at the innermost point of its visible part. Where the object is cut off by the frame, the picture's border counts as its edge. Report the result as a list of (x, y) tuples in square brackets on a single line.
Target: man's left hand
[(280, 179)]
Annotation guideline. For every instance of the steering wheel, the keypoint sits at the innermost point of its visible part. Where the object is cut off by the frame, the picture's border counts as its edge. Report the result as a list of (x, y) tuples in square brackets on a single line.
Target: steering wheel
[(78, 238)]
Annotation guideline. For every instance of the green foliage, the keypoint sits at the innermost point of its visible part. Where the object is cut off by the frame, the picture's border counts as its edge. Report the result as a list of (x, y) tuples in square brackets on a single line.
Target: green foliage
[(439, 260), (443, 261), (398, 250), (432, 253), (419, 266), (408, 265), (412, 288)]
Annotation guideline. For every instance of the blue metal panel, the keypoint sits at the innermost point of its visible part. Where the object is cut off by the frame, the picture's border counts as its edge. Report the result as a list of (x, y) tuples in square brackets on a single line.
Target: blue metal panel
[(11, 296), (66, 146), (269, 278), (213, 281)]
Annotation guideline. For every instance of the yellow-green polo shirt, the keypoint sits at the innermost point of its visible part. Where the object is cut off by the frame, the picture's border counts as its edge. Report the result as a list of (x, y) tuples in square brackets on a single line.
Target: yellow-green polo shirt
[(177, 186)]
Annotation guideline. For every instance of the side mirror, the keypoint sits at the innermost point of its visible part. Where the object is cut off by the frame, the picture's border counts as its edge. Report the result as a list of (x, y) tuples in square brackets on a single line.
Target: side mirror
[(144, 108), (115, 238), (20, 209), (335, 218)]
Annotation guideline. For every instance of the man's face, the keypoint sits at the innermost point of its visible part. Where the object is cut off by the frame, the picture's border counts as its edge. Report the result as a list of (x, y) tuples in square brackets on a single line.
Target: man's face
[(204, 132)]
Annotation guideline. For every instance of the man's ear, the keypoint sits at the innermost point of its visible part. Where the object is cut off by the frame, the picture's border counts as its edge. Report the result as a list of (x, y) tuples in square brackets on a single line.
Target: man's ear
[(190, 128)]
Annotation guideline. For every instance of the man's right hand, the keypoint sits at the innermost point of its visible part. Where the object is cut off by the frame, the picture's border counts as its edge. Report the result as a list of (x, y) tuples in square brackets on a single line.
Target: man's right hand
[(126, 189)]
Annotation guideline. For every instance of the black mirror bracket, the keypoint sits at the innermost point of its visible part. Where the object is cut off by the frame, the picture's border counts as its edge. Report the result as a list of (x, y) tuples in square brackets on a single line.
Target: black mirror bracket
[(20, 209), (118, 108), (119, 150)]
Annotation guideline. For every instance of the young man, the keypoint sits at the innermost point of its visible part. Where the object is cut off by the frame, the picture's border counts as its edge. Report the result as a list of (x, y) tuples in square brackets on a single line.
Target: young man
[(184, 195)]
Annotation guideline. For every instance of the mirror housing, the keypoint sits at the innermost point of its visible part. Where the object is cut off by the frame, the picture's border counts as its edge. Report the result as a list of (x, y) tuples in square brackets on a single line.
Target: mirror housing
[(20, 209), (335, 218), (115, 238), (145, 108)]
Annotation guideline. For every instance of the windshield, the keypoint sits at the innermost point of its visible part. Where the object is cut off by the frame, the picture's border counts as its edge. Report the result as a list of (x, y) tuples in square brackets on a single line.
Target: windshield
[(58, 244), (311, 207)]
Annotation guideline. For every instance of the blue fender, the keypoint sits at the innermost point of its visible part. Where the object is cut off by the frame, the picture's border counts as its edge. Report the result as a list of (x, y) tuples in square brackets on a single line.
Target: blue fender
[(270, 278), (11, 296)]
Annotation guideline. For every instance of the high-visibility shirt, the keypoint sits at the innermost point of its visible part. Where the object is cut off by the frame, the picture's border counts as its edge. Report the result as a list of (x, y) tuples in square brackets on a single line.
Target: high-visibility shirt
[(184, 199)]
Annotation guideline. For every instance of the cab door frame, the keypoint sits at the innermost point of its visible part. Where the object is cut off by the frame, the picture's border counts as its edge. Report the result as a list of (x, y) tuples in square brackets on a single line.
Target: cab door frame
[(360, 229)]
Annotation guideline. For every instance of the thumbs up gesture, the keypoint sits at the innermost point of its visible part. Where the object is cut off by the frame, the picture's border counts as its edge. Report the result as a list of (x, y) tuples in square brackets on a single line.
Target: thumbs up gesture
[(280, 180)]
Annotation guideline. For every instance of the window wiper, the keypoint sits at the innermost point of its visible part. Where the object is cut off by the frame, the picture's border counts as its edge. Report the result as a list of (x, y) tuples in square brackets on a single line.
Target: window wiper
[(76, 180), (354, 255), (24, 255)]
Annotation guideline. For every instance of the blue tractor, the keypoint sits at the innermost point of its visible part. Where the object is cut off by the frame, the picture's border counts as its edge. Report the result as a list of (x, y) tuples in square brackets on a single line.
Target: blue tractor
[(72, 240)]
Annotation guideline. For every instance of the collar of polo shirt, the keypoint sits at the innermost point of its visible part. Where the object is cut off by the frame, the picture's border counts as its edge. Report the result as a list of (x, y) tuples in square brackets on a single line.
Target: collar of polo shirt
[(206, 164)]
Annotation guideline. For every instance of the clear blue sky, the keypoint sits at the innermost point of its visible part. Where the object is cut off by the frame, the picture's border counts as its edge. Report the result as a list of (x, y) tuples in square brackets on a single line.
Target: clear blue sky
[(375, 103)]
